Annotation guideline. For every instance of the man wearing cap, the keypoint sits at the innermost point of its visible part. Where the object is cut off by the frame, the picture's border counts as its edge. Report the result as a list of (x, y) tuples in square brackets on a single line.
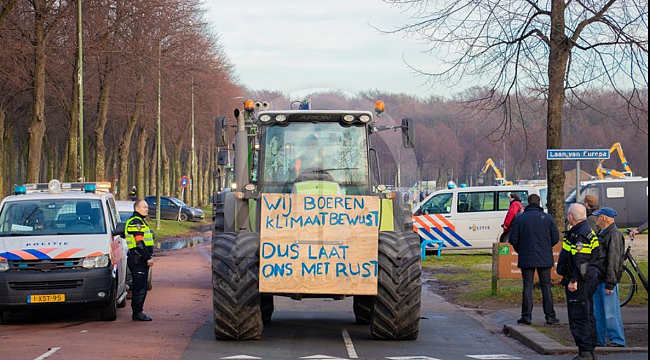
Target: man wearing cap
[(591, 203), (607, 306)]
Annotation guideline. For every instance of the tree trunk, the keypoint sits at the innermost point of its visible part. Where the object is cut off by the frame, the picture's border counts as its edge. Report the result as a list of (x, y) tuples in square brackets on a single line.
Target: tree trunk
[(558, 60), (37, 118), (177, 168), (166, 177), (3, 165), (142, 158), (102, 119), (188, 169), (199, 176), (125, 147), (153, 166)]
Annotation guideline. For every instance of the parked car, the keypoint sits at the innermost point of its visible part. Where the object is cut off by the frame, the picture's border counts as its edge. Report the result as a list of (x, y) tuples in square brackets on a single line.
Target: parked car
[(628, 196), (172, 208), (125, 209)]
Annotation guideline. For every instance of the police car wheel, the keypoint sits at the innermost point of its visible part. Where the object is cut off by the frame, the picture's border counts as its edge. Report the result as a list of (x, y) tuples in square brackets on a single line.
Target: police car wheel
[(109, 312), (235, 282), (4, 317), (397, 306), (363, 309)]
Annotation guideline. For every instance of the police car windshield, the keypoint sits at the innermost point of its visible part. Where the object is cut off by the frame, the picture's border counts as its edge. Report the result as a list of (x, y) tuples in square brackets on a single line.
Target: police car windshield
[(52, 217)]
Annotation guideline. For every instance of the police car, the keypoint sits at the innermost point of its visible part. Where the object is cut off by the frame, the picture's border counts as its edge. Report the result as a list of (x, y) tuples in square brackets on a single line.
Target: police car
[(467, 217), (62, 244)]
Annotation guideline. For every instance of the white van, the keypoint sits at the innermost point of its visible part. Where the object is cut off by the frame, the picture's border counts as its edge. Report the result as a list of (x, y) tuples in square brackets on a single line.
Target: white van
[(467, 218)]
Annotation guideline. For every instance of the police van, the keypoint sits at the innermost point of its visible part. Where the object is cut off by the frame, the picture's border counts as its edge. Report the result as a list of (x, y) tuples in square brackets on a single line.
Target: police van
[(62, 244), (470, 217)]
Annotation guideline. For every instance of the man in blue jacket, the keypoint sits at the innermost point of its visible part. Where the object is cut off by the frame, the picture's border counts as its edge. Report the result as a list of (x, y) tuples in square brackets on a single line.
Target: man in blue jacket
[(533, 234)]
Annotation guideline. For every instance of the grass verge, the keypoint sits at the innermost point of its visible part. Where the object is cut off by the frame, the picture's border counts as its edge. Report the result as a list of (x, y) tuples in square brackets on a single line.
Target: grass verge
[(172, 228), (466, 279)]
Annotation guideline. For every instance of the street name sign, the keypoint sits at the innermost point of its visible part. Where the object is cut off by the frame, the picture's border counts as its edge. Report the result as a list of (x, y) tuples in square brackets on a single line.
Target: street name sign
[(578, 154)]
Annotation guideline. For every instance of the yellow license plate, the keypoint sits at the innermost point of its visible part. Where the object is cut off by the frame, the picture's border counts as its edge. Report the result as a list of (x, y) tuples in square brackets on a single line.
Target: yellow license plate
[(42, 299)]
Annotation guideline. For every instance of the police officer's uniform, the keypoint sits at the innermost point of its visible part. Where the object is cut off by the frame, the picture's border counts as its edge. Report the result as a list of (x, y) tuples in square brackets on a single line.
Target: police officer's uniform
[(579, 263), (139, 239)]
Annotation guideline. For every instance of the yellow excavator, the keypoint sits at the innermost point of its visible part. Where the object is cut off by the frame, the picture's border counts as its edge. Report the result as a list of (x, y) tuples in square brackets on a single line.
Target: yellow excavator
[(498, 177), (603, 172)]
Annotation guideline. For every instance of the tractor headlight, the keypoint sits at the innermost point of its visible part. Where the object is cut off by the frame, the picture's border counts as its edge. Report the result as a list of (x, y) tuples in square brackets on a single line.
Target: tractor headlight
[(281, 118), (4, 265), (364, 119), (96, 262), (349, 118), (265, 118)]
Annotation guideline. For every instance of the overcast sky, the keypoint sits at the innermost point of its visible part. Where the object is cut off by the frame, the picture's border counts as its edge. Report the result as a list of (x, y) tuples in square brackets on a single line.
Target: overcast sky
[(293, 45)]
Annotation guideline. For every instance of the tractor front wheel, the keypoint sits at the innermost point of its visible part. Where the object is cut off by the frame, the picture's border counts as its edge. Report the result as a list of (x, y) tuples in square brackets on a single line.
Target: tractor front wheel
[(235, 283), (396, 309)]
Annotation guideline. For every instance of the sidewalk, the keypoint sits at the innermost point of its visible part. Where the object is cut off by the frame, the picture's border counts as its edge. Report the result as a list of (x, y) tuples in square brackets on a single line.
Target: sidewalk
[(529, 336), (631, 315)]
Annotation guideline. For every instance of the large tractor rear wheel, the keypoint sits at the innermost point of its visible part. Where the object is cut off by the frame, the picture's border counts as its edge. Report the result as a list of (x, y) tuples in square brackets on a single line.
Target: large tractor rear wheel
[(396, 309), (235, 284), (363, 309)]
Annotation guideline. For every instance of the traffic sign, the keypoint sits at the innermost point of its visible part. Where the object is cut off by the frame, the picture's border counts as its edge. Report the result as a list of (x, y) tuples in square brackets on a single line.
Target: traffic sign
[(185, 181), (578, 154)]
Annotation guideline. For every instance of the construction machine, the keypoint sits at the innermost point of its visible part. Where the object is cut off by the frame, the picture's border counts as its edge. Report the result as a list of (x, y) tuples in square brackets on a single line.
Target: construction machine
[(603, 172), (308, 216), (499, 180)]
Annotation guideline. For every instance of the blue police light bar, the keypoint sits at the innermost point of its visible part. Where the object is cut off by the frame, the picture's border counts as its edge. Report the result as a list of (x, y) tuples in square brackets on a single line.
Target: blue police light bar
[(90, 188), (20, 190)]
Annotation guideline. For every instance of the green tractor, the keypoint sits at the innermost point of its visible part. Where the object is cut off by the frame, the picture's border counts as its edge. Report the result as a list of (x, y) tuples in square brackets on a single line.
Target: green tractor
[(309, 217)]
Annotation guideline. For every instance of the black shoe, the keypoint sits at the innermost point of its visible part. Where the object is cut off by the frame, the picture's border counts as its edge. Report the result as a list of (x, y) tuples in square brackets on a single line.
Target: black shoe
[(552, 321), (584, 355), (594, 355), (141, 317), (524, 321)]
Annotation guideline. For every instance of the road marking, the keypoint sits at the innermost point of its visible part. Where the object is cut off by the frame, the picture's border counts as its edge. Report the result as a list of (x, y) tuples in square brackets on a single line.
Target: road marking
[(240, 357), (321, 357), (494, 357), (84, 331), (412, 358), (352, 353), (48, 354)]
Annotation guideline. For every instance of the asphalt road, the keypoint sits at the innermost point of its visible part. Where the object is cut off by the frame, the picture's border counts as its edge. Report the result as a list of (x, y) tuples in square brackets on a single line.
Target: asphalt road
[(311, 329)]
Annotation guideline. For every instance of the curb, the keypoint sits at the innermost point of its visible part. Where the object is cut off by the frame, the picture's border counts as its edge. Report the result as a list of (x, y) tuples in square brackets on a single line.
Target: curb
[(544, 345)]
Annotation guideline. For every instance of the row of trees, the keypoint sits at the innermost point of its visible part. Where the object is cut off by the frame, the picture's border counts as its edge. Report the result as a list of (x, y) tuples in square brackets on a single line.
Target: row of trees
[(454, 139), (127, 44)]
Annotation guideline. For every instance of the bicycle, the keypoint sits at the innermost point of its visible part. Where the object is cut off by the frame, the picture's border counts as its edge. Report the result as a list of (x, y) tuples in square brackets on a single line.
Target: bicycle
[(627, 287)]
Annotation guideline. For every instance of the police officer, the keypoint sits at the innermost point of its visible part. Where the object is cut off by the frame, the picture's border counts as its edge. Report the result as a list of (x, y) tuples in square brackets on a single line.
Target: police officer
[(139, 239), (578, 264)]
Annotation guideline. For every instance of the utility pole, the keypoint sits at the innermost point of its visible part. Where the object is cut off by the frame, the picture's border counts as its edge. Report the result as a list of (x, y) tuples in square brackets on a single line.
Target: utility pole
[(80, 84), (505, 174), (158, 142), (193, 170)]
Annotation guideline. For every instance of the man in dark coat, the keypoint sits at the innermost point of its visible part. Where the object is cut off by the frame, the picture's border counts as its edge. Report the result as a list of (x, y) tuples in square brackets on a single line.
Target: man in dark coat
[(591, 203), (607, 304), (533, 235)]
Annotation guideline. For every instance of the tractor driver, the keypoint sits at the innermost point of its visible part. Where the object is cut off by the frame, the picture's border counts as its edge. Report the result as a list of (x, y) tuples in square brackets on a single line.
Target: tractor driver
[(311, 157)]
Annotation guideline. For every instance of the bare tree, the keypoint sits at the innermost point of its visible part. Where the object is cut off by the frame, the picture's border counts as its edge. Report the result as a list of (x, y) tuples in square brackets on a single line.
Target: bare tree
[(502, 44)]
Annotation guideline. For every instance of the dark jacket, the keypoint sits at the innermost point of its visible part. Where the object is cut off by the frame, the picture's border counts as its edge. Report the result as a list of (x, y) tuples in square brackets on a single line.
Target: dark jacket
[(612, 251), (643, 227), (533, 235), (579, 254), (591, 219)]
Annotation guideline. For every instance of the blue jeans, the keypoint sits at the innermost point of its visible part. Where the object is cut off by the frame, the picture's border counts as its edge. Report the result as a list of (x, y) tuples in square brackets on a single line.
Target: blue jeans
[(607, 309)]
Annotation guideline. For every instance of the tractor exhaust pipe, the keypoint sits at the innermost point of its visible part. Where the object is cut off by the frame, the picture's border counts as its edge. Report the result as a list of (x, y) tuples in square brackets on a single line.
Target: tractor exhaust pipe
[(241, 170)]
